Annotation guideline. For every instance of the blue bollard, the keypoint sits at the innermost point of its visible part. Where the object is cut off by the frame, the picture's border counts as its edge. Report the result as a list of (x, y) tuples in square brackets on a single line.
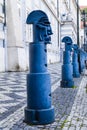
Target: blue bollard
[(67, 69), (39, 109), (86, 60), (82, 59), (75, 62)]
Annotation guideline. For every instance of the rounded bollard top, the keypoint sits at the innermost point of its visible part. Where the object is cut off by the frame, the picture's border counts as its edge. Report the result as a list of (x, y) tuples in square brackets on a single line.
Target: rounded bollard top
[(67, 40), (41, 26), (68, 43), (35, 16), (75, 47)]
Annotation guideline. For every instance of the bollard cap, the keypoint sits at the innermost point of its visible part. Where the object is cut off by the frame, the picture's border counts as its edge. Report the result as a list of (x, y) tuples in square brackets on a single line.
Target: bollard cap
[(67, 40), (36, 16), (41, 26)]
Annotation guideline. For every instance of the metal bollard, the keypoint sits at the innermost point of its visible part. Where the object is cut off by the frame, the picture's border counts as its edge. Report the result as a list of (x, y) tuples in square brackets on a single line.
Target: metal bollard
[(75, 62), (82, 59), (67, 69), (39, 109)]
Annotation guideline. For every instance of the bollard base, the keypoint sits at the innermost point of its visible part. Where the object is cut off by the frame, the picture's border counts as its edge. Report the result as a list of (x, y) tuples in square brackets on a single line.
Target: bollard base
[(77, 75), (67, 84), (39, 117)]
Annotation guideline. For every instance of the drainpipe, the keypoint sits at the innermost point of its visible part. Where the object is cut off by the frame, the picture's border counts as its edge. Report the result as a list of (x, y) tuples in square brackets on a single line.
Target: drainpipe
[(78, 23), (84, 24), (5, 33), (58, 22)]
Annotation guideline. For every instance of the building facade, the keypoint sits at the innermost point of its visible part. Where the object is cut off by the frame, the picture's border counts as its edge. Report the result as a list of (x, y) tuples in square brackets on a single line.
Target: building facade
[(68, 9), (83, 27), (15, 35)]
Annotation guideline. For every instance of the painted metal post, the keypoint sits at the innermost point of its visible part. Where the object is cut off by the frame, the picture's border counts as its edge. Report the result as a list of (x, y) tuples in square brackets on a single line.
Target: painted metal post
[(75, 62), (67, 69), (39, 109), (82, 60), (5, 34)]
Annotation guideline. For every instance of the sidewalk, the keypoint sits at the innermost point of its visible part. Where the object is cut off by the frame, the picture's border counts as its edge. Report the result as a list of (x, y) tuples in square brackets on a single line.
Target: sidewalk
[(70, 103)]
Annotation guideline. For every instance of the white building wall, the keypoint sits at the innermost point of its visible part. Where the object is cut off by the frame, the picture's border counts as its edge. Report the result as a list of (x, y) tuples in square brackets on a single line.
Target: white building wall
[(2, 59), (15, 48)]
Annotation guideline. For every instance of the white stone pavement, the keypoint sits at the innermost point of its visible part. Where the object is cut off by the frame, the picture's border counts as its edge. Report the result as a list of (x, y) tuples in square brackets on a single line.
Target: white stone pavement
[(70, 103), (77, 120)]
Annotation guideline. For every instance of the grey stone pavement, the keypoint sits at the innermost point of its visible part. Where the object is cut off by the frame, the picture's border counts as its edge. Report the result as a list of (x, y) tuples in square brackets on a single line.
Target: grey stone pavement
[(70, 103)]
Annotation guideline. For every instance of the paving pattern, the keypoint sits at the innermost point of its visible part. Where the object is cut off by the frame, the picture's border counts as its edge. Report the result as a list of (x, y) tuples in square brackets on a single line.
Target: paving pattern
[(70, 103)]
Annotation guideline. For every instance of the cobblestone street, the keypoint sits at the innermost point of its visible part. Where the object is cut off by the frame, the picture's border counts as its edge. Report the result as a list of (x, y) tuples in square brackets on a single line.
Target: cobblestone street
[(70, 103)]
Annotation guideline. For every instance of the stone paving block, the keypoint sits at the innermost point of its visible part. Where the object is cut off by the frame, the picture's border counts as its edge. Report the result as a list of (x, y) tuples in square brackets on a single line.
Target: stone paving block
[(83, 128), (5, 129), (85, 122), (65, 128), (72, 128), (78, 128)]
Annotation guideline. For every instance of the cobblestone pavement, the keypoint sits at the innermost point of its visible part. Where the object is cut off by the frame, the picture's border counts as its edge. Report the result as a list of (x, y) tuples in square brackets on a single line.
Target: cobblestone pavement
[(70, 103)]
